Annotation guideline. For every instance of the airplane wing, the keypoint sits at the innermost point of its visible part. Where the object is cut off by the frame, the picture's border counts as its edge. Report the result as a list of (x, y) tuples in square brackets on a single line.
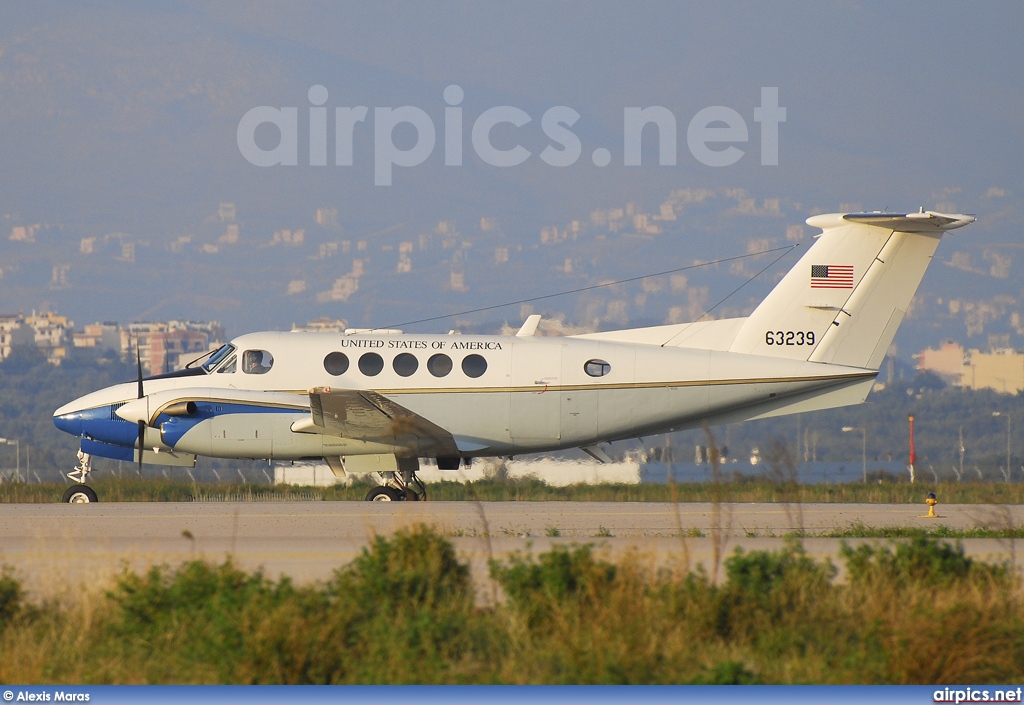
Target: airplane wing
[(367, 416)]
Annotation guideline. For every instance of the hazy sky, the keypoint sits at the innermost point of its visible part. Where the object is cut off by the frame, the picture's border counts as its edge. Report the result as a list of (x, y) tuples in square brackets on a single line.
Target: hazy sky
[(125, 117)]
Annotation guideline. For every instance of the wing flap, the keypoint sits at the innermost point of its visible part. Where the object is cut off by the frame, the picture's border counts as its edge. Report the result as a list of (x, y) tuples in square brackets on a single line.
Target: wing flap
[(368, 416)]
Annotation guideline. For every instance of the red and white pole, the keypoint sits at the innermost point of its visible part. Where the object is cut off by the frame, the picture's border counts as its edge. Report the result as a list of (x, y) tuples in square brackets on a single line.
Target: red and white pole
[(912, 456)]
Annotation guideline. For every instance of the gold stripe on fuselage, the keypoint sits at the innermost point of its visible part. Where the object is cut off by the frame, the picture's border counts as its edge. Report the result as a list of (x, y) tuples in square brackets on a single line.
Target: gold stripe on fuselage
[(531, 389)]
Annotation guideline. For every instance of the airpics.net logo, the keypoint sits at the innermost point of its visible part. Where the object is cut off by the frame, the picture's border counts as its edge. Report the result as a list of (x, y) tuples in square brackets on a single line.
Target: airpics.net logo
[(712, 134)]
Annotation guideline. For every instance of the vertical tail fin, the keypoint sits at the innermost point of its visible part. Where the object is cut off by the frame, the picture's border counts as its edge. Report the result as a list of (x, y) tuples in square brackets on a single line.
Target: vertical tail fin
[(845, 298)]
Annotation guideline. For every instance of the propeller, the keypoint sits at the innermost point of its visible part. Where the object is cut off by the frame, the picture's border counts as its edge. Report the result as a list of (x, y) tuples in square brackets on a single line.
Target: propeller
[(142, 424)]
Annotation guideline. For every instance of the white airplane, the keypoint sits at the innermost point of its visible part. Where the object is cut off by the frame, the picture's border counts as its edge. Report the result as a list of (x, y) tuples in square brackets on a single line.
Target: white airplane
[(375, 401)]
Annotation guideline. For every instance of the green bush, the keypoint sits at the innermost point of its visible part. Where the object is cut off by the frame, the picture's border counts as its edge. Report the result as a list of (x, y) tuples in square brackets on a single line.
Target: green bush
[(404, 612), (769, 589), (401, 612), (11, 596), (534, 584), (728, 673), (922, 559), (195, 621)]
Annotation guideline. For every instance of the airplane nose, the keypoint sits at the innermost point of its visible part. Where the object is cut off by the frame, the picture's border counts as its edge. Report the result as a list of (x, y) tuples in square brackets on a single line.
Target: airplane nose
[(69, 423)]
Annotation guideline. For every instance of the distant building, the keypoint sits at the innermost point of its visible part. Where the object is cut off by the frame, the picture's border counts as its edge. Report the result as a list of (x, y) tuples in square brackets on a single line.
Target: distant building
[(322, 325), (13, 331), (642, 224), (404, 258), (947, 362), (47, 330), (1001, 370), (552, 471), (551, 235), (327, 217), (173, 349), (127, 252), (167, 346), (230, 236), (24, 233), (178, 246), (59, 279), (99, 335), (341, 290)]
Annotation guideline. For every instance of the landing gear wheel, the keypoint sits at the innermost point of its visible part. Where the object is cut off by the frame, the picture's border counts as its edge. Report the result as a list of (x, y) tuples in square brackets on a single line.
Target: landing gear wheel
[(79, 494), (385, 494)]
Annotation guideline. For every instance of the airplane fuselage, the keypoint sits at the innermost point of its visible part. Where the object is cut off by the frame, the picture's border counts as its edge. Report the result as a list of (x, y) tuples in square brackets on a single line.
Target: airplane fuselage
[(377, 400), (496, 395)]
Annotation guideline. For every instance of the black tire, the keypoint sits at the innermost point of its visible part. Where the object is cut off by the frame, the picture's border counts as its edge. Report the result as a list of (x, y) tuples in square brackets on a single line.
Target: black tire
[(79, 494), (381, 493)]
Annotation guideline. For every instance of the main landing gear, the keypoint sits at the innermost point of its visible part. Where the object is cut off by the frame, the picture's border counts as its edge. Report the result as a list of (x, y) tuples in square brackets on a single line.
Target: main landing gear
[(398, 487), (80, 493)]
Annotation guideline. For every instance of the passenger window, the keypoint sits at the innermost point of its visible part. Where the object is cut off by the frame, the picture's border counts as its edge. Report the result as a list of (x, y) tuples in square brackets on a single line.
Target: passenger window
[(257, 362), (474, 365), (336, 363), (371, 364), (439, 365), (406, 364), (596, 368), (228, 366)]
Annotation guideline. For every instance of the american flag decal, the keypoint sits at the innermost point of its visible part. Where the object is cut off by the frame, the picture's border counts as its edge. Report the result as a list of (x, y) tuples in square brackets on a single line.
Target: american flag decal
[(831, 276)]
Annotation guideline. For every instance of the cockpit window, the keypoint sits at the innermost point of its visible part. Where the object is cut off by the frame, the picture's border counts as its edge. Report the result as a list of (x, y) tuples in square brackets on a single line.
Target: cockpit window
[(218, 357), (228, 366), (257, 362)]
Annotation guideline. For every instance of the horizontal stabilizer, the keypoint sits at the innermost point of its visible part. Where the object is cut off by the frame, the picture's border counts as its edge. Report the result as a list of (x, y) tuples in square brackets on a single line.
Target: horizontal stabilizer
[(922, 222)]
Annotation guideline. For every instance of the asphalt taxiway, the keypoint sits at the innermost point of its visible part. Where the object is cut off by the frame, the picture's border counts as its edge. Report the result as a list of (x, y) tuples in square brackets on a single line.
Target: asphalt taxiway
[(52, 546)]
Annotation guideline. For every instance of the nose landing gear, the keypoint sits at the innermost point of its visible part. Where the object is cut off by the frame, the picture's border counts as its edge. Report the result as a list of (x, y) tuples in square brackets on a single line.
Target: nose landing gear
[(80, 493)]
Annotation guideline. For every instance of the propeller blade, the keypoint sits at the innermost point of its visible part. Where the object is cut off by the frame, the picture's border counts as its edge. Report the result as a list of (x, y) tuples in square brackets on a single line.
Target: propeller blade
[(142, 441), (138, 360), (142, 424)]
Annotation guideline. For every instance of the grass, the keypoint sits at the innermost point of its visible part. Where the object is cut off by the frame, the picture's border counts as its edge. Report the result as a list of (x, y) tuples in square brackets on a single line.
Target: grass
[(862, 531), (151, 490), (917, 611)]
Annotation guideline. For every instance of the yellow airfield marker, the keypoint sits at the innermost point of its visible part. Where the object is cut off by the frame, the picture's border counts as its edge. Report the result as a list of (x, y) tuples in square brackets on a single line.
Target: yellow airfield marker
[(931, 502)]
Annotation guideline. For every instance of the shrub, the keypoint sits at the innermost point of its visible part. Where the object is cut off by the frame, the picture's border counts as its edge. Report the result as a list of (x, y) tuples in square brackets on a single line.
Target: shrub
[(728, 673), (194, 622), (401, 612), (930, 614), (922, 559), (534, 585), (11, 596), (770, 590)]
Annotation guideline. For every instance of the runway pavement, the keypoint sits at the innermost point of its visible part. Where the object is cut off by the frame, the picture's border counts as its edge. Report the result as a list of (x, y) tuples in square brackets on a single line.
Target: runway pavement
[(52, 546)]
